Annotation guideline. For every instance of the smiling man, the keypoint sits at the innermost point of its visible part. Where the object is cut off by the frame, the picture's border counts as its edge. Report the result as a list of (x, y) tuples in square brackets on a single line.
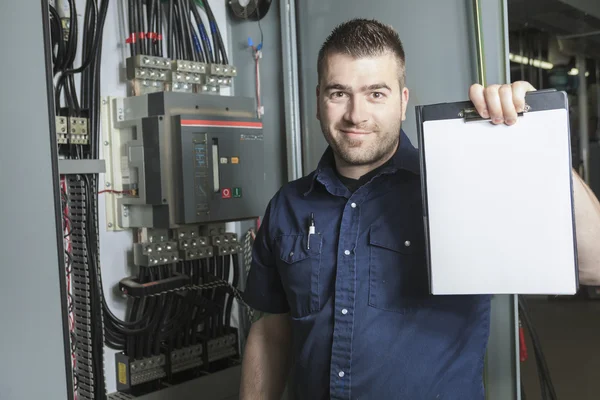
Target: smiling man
[(339, 262)]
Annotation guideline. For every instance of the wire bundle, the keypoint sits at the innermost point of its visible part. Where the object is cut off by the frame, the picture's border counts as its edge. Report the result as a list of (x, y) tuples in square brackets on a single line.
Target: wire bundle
[(64, 49), (187, 36), (174, 320), (546, 385)]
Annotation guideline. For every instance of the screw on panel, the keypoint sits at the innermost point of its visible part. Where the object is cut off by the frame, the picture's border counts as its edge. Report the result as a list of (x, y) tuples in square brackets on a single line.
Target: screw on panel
[(107, 184), (110, 225), (106, 142), (104, 102)]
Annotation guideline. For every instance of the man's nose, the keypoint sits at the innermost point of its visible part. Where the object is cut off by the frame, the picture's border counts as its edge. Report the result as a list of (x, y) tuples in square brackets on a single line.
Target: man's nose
[(356, 112)]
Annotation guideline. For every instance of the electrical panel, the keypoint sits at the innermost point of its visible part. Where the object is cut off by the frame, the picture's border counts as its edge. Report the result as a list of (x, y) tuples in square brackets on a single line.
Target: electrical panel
[(183, 158), (179, 160)]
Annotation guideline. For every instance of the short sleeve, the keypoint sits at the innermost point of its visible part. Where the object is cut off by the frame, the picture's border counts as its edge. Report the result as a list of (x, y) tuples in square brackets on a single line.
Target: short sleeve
[(264, 290)]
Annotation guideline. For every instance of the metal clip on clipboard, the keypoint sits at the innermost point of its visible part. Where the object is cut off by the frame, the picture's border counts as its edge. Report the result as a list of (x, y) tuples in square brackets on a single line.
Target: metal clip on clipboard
[(471, 114)]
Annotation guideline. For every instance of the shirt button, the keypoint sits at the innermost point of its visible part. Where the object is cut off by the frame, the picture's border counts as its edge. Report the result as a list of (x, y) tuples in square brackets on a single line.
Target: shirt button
[(347, 252), (353, 205), (344, 311), (407, 243), (341, 374)]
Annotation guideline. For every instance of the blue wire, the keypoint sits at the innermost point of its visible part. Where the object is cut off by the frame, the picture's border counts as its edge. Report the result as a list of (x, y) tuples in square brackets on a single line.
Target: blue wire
[(196, 43)]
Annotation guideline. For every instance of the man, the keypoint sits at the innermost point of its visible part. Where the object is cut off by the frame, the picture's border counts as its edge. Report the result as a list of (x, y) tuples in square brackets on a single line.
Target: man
[(339, 262)]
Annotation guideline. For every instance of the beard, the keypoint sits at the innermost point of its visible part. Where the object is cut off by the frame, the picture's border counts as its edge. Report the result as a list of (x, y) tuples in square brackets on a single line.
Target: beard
[(378, 146)]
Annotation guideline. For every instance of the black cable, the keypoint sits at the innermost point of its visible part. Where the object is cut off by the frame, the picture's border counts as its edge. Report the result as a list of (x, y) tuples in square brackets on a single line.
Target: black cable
[(184, 33), (158, 29), (208, 53), (230, 295), (72, 39), (87, 60), (131, 24), (89, 37), (170, 48), (213, 32), (57, 40), (203, 56), (190, 30), (179, 49), (151, 13), (139, 14), (219, 46)]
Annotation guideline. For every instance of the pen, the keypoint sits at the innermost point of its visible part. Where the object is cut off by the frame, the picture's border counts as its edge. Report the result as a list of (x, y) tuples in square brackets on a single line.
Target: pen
[(311, 229)]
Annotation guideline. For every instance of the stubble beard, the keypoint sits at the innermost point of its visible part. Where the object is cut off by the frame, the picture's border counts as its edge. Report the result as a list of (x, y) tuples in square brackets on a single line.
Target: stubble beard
[(355, 152)]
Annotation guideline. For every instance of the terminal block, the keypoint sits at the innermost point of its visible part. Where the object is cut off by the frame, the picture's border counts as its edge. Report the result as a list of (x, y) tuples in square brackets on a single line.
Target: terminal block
[(148, 73), (226, 243), (186, 75), (197, 253), (135, 372), (186, 358), (62, 135), (226, 249), (186, 233), (195, 248), (224, 238), (151, 254), (222, 74), (79, 131)]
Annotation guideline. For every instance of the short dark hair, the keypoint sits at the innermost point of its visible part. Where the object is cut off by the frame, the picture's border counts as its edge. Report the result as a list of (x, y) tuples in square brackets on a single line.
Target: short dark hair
[(363, 38)]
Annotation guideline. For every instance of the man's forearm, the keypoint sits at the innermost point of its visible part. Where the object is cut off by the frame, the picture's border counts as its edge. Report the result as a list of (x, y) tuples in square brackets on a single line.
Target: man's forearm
[(267, 359), (587, 221)]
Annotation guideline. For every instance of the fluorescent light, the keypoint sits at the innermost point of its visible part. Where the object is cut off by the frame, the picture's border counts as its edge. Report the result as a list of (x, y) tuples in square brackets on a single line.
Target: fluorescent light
[(527, 61), (575, 71)]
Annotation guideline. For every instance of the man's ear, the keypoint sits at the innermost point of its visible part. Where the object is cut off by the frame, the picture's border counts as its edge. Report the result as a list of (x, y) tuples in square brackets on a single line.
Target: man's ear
[(405, 96), (318, 93)]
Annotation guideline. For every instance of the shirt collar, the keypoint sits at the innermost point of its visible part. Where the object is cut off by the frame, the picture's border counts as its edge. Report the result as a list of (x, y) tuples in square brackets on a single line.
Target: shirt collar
[(406, 158)]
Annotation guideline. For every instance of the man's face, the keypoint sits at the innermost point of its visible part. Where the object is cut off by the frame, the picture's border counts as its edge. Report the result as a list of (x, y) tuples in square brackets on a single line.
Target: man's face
[(361, 108)]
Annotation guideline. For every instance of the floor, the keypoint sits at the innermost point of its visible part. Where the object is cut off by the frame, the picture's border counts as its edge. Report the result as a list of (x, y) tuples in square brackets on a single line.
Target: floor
[(569, 332)]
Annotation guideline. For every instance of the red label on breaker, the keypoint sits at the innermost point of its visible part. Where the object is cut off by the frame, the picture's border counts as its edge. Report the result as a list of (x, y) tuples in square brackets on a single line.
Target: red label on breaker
[(226, 193)]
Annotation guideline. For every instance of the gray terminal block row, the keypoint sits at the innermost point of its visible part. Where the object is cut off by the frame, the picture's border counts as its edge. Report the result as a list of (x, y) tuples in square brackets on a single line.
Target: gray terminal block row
[(185, 244), (133, 372), (155, 74)]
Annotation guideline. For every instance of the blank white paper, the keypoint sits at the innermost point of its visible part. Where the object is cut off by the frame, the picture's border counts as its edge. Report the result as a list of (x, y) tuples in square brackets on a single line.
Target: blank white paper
[(500, 206)]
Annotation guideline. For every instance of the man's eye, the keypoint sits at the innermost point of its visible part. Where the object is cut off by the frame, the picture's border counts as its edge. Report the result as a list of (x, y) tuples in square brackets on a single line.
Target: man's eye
[(337, 95), (378, 95)]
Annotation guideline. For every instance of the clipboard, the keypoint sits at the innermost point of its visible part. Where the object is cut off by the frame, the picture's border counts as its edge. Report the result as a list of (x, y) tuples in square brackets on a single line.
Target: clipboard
[(498, 200)]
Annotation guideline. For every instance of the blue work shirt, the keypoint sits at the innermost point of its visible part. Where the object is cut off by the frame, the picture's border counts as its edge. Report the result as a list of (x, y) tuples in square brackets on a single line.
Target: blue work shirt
[(364, 325)]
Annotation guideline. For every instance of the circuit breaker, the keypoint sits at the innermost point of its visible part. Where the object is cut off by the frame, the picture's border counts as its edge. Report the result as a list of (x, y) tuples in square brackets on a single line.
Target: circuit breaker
[(217, 164), (183, 158)]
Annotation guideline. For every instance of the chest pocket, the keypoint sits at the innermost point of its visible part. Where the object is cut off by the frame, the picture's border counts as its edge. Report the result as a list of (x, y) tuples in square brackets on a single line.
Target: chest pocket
[(398, 277), (299, 267)]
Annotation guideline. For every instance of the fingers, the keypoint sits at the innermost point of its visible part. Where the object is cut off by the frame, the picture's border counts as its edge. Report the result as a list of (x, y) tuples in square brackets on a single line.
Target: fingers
[(500, 103), (509, 104), (476, 94), (519, 90), (494, 105)]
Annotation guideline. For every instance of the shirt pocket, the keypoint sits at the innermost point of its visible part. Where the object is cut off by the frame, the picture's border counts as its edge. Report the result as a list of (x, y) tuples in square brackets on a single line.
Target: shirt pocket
[(398, 276), (299, 267)]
